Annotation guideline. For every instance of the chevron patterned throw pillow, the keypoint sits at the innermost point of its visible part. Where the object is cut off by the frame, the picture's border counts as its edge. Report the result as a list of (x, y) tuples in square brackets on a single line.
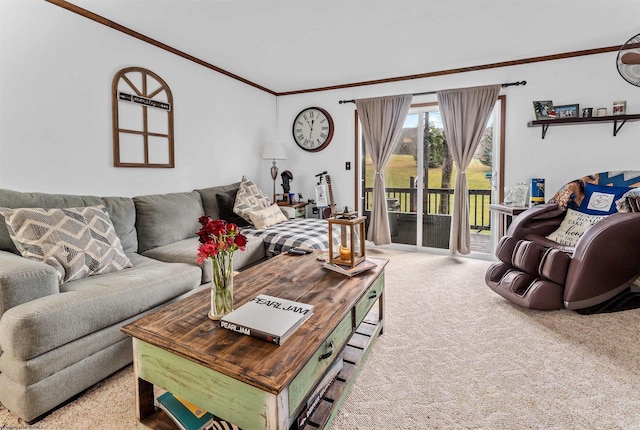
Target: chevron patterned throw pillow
[(77, 242), (249, 199)]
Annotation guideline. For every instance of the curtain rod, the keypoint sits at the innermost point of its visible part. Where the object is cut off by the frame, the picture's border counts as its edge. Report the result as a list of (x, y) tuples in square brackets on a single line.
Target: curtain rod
[(508, 84)]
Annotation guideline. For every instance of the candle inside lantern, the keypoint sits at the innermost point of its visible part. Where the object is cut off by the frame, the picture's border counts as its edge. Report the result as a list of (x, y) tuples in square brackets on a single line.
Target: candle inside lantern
[(345, 253), (345, 250)]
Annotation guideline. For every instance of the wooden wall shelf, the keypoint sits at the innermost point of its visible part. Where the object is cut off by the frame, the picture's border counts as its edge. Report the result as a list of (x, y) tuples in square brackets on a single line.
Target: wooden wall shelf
[(617, 120)]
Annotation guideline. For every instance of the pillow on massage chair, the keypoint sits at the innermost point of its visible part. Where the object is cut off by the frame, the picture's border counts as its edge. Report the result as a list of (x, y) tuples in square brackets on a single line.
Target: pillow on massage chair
[(573, 227), (601, 200)]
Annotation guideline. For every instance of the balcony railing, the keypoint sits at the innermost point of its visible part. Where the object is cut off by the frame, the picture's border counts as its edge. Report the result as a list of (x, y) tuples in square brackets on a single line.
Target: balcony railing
[(440, 201)]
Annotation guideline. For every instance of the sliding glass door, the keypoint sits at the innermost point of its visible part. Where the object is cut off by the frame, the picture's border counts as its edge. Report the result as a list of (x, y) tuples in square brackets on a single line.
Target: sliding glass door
[(420, 177)]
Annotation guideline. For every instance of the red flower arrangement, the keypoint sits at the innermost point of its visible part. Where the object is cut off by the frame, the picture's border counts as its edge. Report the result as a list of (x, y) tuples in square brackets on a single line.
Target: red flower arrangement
[(218, 241), (219, 238)]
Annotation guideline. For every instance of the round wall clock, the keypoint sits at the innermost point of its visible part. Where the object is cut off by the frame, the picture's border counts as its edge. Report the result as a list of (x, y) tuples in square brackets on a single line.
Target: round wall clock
[(313, 129)]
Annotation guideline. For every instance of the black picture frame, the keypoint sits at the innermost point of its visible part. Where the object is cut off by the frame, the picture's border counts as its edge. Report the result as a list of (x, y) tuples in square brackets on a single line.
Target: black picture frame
[(568, 111)]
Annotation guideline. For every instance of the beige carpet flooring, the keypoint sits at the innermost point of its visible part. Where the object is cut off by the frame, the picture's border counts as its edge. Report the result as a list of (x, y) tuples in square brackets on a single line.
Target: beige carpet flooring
[(454, 356)]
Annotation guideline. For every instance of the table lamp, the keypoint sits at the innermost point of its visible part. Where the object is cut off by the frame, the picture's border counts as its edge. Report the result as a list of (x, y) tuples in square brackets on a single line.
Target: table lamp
[(274, 150)]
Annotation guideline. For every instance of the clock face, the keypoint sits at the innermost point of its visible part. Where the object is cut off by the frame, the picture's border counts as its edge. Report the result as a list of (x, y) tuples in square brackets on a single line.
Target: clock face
[(313, 129)]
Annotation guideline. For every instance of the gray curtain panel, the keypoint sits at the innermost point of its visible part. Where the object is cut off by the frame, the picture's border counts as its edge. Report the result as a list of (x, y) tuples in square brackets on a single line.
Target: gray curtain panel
[(465, 113), (382, 119)]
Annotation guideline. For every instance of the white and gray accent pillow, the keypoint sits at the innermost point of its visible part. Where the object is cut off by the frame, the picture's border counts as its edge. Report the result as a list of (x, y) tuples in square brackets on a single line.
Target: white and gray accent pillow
[(573, 226), (76, 242), (267, 217), (249, 199)]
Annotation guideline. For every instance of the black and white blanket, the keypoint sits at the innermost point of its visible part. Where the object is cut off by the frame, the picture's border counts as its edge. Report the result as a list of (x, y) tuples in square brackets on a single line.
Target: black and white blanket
[(299, 232)]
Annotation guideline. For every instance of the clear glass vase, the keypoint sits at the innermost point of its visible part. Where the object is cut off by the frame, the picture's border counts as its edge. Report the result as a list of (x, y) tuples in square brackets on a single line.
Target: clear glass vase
[(221, 286)]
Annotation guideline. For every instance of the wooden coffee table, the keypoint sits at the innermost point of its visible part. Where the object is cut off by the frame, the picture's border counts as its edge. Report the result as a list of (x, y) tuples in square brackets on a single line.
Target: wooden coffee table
[(249, 382)]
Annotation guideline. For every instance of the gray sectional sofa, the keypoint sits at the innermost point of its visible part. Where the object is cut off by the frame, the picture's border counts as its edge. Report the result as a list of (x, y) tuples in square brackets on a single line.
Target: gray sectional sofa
[(56, 340)]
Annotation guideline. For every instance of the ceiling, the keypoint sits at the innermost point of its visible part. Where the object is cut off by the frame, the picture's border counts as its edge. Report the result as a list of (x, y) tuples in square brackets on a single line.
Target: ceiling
[(294, 45)]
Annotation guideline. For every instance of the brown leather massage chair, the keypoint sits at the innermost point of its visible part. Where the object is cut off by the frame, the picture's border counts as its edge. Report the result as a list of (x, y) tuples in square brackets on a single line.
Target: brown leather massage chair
[(579, 251)]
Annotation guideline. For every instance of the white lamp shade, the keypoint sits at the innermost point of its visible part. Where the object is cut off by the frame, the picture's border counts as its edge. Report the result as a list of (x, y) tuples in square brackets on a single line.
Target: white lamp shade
[(274, 150)]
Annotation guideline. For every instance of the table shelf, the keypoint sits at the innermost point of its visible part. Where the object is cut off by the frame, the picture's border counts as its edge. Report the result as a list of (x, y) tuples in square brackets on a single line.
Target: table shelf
[(353, 355)]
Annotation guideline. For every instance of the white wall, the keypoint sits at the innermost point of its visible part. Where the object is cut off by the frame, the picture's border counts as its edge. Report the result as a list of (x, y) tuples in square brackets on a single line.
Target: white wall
[(55, 110), (55, 115), (567, 152)]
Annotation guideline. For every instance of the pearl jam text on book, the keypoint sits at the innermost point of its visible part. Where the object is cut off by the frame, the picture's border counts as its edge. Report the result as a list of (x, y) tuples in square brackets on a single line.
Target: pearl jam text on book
[(279, 305)]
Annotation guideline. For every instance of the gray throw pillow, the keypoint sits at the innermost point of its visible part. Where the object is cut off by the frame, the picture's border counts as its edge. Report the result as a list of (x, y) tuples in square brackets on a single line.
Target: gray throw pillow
[(225, 202), (76, 242)]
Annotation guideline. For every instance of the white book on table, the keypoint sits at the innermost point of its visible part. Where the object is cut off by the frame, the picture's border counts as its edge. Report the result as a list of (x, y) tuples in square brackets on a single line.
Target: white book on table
[(269, 318)]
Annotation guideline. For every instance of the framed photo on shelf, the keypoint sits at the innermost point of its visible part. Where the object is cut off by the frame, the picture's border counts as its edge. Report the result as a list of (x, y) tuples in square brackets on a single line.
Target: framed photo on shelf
[(567, 111), (544, 109)]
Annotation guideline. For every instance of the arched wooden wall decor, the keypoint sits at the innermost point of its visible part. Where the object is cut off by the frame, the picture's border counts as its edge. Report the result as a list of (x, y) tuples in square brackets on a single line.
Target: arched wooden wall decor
[(142, 119)]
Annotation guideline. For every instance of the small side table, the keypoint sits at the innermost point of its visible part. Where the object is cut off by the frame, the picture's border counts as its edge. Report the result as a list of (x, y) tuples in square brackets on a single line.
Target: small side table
[(295, 210), (506, 213)]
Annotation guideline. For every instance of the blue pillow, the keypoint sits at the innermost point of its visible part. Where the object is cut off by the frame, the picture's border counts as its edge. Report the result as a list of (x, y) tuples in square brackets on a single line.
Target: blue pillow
[(601, 199)]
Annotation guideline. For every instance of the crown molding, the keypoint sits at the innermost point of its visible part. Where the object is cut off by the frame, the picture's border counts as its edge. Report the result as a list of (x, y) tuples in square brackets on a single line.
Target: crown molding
[(114, 25)]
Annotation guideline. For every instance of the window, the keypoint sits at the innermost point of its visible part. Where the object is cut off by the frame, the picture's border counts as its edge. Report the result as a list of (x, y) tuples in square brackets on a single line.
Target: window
[(142, 120)]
